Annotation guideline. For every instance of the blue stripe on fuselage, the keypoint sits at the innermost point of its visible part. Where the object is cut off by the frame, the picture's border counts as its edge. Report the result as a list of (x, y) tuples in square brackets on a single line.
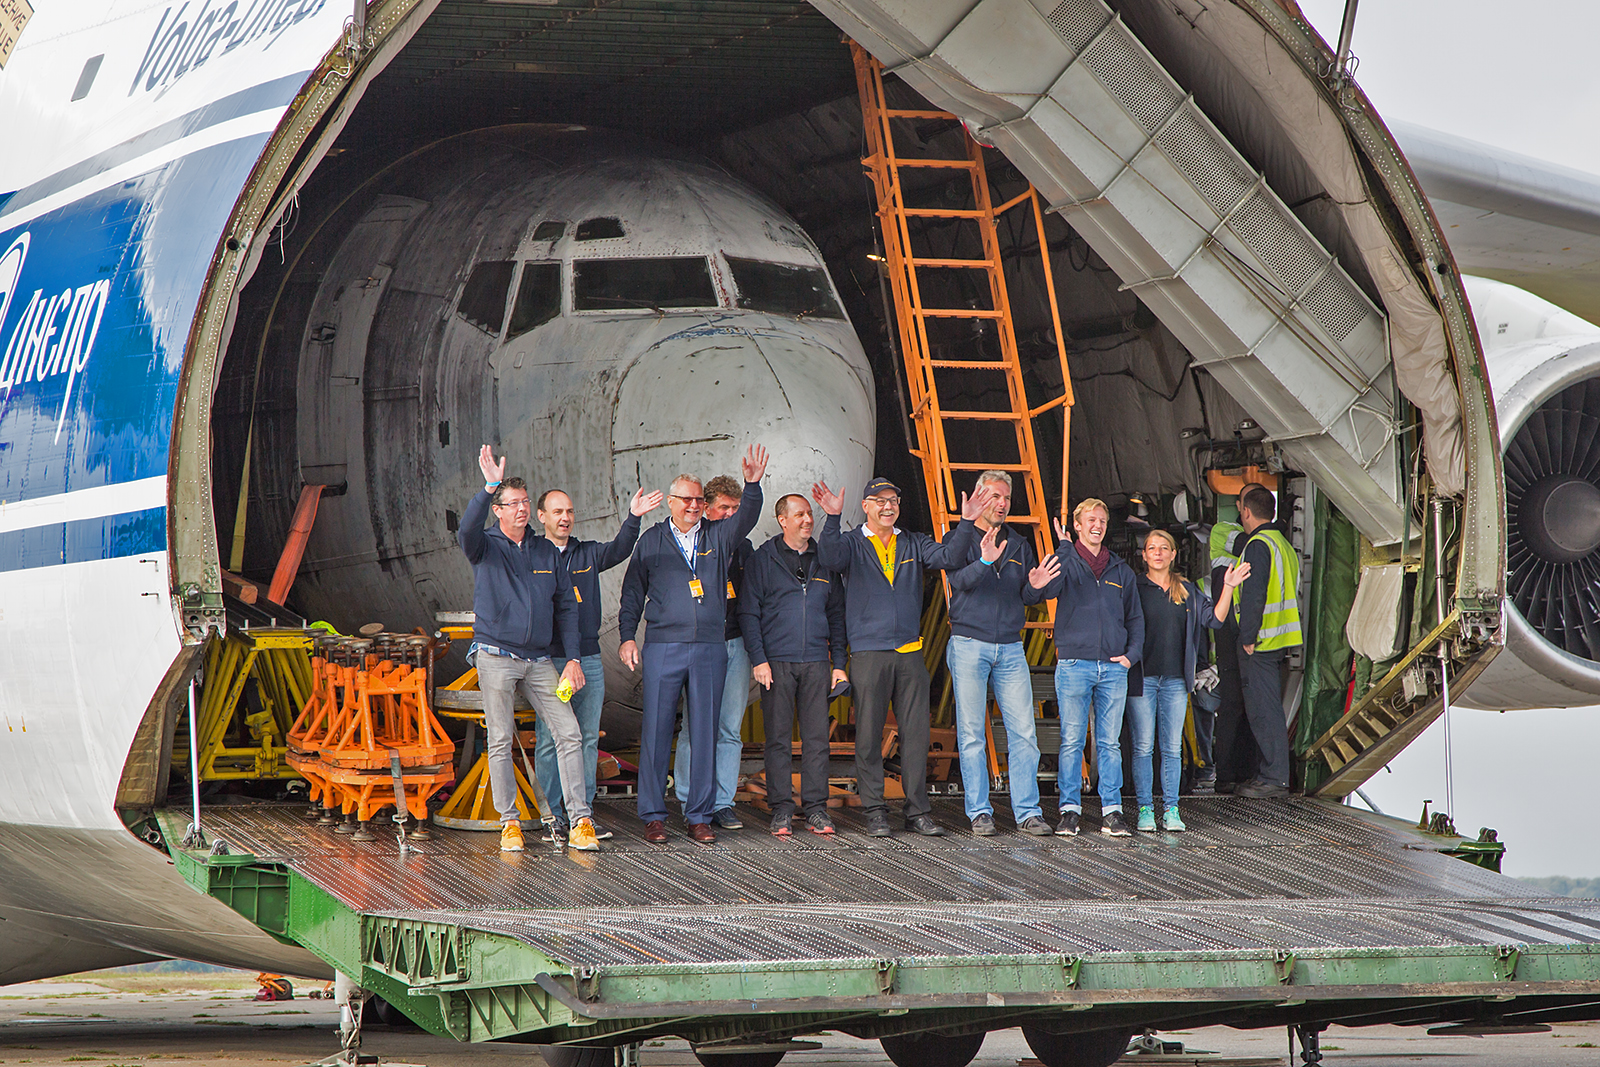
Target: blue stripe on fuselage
[(108, 537), (150, 240)]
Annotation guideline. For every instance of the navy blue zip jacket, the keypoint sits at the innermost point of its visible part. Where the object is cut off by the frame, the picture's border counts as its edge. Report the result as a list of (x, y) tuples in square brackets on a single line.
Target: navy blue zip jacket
[(741, 555), (879, 616), (1096, 619), (1202, 616), (987, 599), (656, 587), (583, 562), (520, 600), (791, 607)]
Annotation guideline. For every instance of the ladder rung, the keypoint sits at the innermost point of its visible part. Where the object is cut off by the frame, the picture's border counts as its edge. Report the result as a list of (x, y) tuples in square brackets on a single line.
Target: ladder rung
[(955, 164), (967, 365), (1003, 416), (989, 466), (942, 213), (959, 313), (1026, 520), (973, 263), (904, 113)]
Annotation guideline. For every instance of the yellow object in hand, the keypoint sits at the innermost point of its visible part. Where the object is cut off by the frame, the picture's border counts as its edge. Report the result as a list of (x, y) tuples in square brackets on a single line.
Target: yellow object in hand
[(564, 690)]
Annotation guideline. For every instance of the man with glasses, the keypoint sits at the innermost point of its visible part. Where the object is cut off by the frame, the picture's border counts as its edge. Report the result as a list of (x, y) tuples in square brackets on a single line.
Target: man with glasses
[(677, 583), (722, 502), (883, 568), (583, 562), (523, 614)]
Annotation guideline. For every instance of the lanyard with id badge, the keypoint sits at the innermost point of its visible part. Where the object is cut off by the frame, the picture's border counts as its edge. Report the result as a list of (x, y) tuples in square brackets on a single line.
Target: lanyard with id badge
[(697, 588)]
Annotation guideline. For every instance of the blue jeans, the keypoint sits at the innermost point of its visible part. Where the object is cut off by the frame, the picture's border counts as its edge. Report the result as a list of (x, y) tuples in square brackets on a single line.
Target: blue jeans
[(1078, 682), (1159, 713), (586, 705), (730, 739), (975, 666)]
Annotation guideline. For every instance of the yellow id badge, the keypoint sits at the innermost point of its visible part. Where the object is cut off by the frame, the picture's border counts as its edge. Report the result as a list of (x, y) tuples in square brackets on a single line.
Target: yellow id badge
[(577, 594), (731, 594), (696, 589)]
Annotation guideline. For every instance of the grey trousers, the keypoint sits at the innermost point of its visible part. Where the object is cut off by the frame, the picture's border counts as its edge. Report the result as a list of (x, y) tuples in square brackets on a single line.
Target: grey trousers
[(877, 678), (499, 677)]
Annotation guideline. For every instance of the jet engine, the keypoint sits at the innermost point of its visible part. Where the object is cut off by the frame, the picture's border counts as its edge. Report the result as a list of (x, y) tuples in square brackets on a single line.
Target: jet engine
[(1544, 367)]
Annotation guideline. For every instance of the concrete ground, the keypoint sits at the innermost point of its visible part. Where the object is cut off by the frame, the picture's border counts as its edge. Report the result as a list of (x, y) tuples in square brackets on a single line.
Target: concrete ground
[(112, 1019)]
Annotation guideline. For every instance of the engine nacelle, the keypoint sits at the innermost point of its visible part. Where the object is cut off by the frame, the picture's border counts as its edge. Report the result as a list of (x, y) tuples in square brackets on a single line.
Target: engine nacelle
[(1544, 367)]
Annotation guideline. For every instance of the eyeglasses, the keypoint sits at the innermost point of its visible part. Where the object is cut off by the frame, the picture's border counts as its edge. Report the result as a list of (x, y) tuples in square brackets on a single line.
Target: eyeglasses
[(523, 503), (691, 500), (885, 501)]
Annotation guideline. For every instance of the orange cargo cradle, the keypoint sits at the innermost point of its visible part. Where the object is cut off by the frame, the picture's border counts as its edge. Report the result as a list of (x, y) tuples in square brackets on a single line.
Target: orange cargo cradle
[(364, 709)]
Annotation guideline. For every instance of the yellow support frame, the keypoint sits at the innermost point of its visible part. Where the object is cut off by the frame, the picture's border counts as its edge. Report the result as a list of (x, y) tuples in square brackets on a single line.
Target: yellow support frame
[(280, 663)]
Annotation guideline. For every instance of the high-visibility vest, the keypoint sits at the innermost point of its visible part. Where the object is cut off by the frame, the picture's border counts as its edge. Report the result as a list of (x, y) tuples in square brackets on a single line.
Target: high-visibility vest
[(1280, 619), (1221, 534)]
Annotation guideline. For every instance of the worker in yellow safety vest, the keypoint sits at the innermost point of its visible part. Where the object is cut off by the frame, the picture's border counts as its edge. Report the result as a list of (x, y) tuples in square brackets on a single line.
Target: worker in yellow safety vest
[(1268, 615)]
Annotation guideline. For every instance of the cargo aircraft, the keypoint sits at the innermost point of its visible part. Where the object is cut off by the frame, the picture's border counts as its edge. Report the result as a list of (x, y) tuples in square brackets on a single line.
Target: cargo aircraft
[(253, 246)]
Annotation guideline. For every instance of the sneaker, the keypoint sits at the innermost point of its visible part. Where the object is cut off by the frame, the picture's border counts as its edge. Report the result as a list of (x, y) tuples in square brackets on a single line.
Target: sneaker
[(1205, 784), (511, 836), (600, 832), (924, 825), (780, 825), (582, 836), (727, 820), (878, 824), (983, 825), (556, 832), (1068, 826), (1171, 823), (1035, 825), (1147, 820), (1115, 824), (818, 822), (1259, 790)]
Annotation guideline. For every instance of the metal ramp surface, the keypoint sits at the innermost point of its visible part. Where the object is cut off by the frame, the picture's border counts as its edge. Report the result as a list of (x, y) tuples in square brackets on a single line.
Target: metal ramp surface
[(769, 937)]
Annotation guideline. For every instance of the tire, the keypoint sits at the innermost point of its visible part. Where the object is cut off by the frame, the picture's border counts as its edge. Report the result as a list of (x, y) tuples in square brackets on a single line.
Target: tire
[(932, 1050), (740, 1059), (389, 1015), (1089, 1048), (577, 1055)]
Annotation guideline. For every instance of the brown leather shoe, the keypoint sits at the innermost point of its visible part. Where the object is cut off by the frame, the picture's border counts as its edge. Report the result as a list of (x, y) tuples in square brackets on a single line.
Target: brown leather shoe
[(702, 834), (655, 831)]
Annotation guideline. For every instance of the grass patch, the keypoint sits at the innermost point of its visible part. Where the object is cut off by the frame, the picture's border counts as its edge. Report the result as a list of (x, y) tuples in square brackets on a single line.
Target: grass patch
[(222, 1022), (285, 1011)]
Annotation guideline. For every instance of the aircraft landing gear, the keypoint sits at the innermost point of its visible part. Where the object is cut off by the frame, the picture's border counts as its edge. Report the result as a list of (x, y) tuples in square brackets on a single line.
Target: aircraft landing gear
[(1092, 1048), (932, 1050)]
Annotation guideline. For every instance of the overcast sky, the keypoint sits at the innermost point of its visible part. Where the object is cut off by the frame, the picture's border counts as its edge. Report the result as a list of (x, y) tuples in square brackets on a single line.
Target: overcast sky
[(1527, 83)]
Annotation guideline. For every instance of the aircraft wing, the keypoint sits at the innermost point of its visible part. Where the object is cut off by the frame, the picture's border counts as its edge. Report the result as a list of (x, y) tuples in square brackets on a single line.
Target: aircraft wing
[(1511, 217)]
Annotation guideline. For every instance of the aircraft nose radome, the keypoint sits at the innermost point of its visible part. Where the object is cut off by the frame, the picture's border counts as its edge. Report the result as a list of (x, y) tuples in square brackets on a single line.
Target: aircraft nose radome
[(693, 405)]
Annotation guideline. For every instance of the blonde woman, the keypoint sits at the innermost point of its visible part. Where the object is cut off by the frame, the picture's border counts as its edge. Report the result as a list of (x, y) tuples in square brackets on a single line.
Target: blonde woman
[(1175, 610)]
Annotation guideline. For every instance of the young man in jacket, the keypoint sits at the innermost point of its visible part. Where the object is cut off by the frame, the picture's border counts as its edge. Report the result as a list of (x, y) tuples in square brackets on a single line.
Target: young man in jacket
[(883, 570), (988, 599), (523, 614), (792, 611), (1099, 636), (723, 496), (677, 583), (582, 562)]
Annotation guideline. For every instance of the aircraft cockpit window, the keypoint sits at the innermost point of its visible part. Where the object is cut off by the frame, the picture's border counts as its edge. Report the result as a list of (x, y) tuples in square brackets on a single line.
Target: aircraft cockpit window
[(598, 229), (538, 298), (483, 300), (549, 231), (654, 284), (783, 289)]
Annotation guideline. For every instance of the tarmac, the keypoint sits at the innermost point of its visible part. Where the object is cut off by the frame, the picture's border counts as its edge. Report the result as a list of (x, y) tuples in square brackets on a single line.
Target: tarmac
[(119, 1019)]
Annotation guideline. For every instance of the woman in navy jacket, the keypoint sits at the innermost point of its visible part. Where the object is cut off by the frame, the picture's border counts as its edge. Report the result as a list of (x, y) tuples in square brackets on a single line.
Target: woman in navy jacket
[(1175, 611)]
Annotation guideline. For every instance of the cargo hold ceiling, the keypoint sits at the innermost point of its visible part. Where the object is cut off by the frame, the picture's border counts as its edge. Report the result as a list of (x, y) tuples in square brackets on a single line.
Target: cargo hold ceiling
[(675, 71)]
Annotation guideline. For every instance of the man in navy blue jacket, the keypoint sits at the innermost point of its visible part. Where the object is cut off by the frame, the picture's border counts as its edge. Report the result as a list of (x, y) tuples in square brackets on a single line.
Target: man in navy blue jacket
[(988, 600), (1099, 636), (792, 612), (677, 582), (582, 562), (883, 568), (523, 614)]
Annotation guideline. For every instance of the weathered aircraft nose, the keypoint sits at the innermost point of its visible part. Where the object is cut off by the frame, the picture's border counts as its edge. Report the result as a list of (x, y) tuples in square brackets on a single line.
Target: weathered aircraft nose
[(693, 403)]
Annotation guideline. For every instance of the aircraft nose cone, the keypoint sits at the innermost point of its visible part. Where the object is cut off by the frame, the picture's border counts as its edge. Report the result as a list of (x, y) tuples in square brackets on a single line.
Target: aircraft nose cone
[(693, 404)]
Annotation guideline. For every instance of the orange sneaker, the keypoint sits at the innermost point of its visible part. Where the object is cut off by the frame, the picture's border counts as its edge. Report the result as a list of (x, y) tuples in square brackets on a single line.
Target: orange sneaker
[(511, 836), (582, 836)]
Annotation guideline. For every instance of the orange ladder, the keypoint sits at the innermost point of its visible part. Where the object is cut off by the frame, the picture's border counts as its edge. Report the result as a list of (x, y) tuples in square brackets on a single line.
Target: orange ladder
[(884, 164)]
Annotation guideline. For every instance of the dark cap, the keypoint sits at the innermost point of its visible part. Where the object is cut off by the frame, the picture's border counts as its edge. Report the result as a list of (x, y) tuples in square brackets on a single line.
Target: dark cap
[(878, 485)]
